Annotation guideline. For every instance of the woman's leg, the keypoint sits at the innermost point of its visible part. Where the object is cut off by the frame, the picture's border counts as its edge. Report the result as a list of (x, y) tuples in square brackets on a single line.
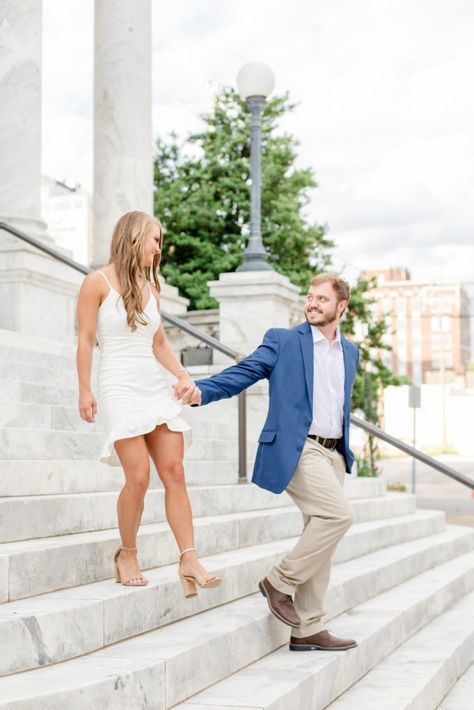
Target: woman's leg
[(166, 448), (133, 455)]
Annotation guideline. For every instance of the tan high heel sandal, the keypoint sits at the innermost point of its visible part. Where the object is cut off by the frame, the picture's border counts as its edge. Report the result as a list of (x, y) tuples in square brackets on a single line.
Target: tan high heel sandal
[(189, 582), (118, 576)]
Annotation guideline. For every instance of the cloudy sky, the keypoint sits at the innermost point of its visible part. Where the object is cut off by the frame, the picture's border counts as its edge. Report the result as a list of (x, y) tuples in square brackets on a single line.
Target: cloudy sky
[(385, 111)]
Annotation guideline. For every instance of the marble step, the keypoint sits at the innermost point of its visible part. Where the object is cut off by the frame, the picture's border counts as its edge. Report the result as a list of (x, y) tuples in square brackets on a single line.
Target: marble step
[(60, 625), (29, 415), (166, 666), (57, 477), (420, 671), (24, 477), (37, 392), (44, 565), (31, 348), (460, 696), (17, 443), (23, 518), (285, 679), (37, 372)]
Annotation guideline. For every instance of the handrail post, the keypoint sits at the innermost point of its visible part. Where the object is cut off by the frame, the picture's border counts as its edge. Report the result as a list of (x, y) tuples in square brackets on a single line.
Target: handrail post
[(243, 437)]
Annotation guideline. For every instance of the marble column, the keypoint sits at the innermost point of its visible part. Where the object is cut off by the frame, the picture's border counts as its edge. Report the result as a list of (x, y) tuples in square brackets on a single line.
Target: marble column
[(37, 293), (123, 148), (20, 115)]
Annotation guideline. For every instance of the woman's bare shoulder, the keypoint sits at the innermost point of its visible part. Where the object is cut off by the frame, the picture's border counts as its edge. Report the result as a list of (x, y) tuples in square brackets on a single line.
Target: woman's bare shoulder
[(95, 284)]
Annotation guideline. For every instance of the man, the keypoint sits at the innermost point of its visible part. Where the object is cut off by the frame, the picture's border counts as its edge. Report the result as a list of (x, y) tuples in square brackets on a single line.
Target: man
[(303, 449)]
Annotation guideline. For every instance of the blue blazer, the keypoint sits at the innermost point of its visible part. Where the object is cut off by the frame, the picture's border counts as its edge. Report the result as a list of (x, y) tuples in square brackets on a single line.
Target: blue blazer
[(285, 358)]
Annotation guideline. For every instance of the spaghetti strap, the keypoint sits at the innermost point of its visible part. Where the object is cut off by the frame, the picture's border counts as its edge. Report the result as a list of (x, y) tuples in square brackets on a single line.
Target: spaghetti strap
[(107, 280)]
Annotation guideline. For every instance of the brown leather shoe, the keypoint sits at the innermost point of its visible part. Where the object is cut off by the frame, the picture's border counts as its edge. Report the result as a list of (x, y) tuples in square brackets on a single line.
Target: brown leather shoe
[(323, 641), (281, 605)]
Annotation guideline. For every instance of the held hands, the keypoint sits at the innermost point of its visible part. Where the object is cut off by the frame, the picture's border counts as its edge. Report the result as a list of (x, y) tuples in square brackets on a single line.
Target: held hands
[(186, 390), (87, 406)]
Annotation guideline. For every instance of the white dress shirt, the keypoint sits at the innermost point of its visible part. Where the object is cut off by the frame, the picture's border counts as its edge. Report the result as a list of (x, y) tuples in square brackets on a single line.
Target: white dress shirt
[(328, 386)]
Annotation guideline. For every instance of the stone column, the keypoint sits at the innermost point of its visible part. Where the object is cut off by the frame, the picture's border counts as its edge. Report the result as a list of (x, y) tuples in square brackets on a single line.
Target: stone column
[(20, 116), (37, 294), (123, 158)]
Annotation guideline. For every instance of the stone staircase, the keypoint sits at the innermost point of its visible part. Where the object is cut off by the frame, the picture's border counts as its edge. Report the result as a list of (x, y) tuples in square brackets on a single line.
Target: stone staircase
[(402, 582)]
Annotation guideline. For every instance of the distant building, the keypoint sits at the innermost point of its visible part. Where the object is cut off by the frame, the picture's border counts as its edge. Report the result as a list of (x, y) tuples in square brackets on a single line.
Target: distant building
[(67, 211), (428, 326)]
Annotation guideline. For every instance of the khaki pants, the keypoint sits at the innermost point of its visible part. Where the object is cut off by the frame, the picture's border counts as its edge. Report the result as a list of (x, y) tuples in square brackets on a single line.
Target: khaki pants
[(316, 488)]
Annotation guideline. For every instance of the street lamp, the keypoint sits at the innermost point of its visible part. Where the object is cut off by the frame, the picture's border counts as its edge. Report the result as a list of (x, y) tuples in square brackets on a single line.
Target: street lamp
[(255, 81)]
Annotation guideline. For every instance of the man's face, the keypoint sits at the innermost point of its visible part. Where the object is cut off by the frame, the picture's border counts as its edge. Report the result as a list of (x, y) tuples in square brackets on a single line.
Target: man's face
[(322, 307)]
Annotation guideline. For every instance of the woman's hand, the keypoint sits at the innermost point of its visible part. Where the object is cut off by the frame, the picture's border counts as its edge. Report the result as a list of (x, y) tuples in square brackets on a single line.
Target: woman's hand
[(87, 406), (186, 390)]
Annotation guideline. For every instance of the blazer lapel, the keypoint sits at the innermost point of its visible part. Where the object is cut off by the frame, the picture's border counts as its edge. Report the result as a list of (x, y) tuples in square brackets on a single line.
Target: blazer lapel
[(306, 343)]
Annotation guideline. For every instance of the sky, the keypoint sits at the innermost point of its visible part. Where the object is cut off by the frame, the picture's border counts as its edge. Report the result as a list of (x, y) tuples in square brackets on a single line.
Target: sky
[(384, 117)]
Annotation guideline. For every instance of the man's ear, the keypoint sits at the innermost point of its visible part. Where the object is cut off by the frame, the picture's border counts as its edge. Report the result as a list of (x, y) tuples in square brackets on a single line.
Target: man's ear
[(342, 305)]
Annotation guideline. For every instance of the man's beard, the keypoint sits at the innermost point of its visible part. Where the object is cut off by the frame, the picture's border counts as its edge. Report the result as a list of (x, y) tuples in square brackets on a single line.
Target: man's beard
[(329, 318)]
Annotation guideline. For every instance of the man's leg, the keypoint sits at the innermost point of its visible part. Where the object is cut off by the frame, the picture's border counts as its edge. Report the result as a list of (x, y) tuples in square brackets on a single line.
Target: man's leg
[(316, 488), (309, 596)]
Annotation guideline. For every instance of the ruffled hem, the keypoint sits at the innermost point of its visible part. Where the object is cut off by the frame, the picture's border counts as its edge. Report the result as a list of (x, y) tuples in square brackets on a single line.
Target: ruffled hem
[(137, 424)]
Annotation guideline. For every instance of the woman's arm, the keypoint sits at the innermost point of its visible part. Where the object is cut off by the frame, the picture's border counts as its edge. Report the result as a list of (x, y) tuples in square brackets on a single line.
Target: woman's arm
[(90, 297), (166, 357)]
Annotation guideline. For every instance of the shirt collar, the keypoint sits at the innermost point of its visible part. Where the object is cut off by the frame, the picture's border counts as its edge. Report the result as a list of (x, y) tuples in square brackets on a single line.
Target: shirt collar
[(318, 336)]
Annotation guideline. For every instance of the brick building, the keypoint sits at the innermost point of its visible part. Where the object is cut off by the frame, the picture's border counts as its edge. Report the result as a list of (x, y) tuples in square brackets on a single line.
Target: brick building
[(429, 326)]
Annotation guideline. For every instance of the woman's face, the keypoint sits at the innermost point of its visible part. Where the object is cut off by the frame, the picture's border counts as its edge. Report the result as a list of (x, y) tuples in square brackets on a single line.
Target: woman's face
[(151, 245)]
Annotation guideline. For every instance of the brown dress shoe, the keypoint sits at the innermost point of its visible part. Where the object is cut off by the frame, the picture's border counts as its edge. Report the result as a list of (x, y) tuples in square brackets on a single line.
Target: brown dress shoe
[(281, 605), (323, 641)]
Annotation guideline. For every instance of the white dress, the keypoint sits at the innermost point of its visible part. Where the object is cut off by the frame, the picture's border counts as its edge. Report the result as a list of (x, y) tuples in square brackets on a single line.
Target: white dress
[(134, 396)]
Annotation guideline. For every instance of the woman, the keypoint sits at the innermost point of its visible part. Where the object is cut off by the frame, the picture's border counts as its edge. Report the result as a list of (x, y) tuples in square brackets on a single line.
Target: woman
[(119, 305)]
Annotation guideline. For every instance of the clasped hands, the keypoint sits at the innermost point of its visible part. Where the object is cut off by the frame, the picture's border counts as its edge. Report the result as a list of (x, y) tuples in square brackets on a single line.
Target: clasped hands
[(187, 391)]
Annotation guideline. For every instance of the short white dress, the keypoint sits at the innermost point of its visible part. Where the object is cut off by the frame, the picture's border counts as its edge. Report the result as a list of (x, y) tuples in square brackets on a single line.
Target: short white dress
[(133, 396)]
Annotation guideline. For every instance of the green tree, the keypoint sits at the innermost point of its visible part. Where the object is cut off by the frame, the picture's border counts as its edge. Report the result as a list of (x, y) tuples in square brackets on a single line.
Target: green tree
[(373, 374), (202, 191)]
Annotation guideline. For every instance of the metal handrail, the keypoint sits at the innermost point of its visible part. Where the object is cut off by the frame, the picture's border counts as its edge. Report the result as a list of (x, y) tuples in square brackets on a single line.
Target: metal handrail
[(242, 409), (173, 320), (415, 453)]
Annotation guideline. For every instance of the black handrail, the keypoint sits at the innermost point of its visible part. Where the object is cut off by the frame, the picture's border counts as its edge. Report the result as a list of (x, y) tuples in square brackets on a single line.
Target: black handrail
[(415, 453), (173, 320)]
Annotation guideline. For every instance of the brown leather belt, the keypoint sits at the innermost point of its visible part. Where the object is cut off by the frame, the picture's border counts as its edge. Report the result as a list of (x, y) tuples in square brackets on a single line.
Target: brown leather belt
[(324, 441)]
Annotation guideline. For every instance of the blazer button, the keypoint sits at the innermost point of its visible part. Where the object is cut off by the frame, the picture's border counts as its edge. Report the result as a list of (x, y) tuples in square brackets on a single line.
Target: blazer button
[(308, 422), (299, 448)]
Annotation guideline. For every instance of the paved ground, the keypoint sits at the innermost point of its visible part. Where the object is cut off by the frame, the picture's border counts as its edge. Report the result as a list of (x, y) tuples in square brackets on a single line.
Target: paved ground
[(434, 489)]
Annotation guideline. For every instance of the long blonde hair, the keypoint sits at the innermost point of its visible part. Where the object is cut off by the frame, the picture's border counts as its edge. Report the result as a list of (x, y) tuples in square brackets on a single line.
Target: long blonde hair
[(126, 252)]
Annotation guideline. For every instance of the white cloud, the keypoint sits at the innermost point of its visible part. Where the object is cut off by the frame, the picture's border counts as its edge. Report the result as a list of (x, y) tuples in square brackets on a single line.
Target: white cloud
[(385, 113)]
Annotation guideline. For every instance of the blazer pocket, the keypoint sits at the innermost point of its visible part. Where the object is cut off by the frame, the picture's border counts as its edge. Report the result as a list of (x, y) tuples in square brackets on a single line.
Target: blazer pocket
[(267, 436)]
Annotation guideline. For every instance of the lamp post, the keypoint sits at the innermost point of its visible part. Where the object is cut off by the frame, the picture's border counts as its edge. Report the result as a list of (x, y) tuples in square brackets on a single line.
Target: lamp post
[(255, 81)]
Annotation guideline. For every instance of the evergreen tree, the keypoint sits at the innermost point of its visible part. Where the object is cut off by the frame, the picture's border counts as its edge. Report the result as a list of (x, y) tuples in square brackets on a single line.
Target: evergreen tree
[(202, 196)]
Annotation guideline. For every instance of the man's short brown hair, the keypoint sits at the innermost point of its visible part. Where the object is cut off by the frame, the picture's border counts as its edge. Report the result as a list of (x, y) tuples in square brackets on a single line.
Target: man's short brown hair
[(341, 287)]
